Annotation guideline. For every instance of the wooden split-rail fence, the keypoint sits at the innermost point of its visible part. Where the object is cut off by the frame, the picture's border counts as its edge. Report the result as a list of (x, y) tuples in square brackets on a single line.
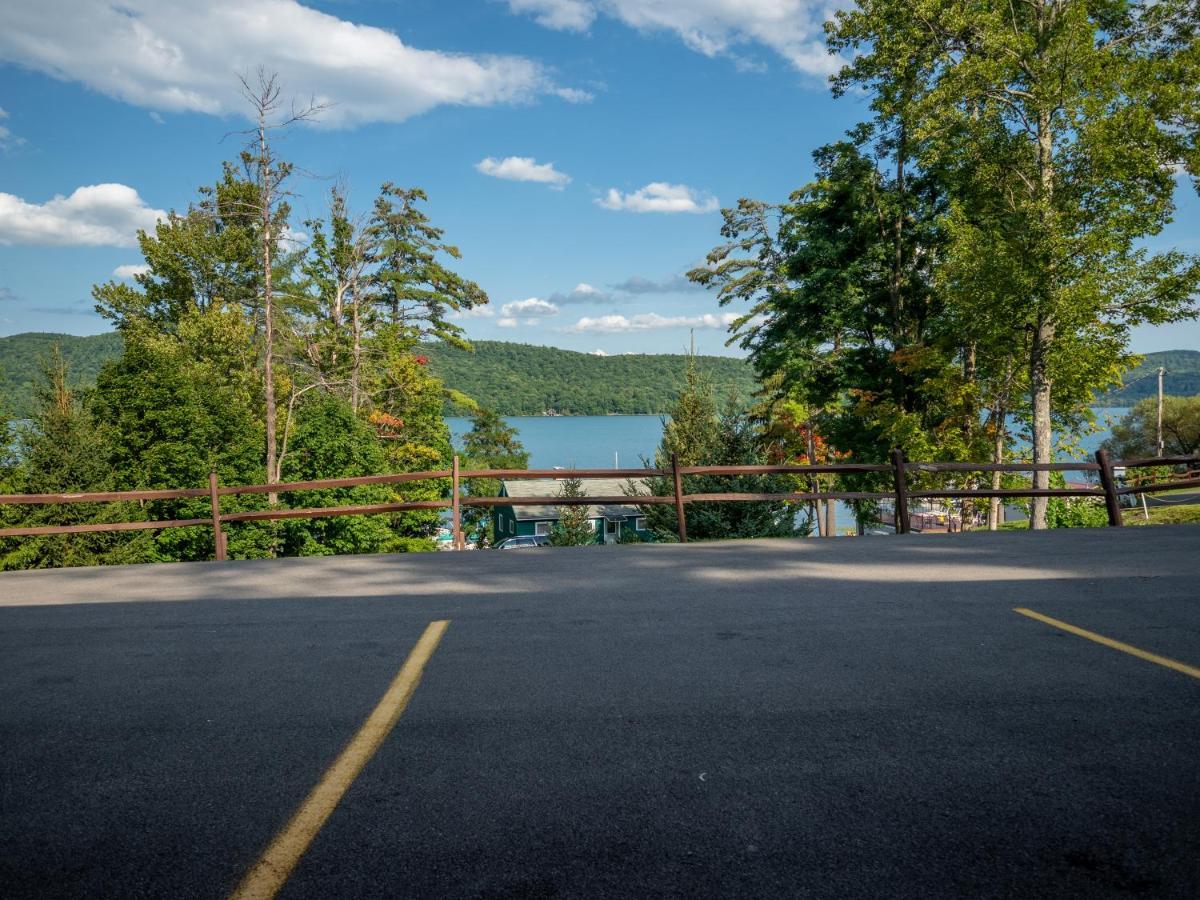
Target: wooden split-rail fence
[(900, 469)]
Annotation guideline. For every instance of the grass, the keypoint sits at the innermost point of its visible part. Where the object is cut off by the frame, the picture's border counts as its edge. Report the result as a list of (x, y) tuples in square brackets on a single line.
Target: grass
[(1184, 514)]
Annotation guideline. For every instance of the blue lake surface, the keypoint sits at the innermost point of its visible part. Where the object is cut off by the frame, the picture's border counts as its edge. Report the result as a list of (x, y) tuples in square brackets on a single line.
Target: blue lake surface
[(582, 442)]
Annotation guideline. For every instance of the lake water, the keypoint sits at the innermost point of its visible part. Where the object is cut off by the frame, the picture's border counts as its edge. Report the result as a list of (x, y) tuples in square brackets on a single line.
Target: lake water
[(582, 442), (597, 442)]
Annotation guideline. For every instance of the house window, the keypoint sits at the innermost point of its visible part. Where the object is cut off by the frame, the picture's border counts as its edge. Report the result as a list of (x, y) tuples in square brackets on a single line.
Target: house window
[(639, 524), (593, 524), (542, 528), (611, 526)]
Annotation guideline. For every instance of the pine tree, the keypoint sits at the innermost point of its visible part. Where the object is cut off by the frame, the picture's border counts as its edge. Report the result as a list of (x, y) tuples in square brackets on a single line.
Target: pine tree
[(490, 444), (573, 528), (61, 452)]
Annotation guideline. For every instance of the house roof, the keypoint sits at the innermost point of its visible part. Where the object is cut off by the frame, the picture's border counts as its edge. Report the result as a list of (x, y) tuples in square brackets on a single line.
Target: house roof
[(592, 487)]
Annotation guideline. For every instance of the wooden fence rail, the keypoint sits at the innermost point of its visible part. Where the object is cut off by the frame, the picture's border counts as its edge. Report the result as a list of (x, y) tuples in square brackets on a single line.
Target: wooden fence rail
[(900, 468)]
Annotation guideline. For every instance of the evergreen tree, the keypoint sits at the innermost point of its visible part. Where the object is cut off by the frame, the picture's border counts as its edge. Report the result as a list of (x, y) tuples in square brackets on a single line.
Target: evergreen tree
[(697, 435), (574, 527), (490, 444), (61, 451), (413, 289), (176, 405)]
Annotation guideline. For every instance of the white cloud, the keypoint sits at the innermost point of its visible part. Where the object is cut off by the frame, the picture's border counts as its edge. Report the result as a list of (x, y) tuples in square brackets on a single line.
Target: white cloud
[(507, 323), (561, 15), (573, 95), (180, 55), (615, 324), (597, 352), (661, 197), (95, 215), (791, 28), (533, 308), (130, 270), (474, 312), (294, 237), (523, 168)]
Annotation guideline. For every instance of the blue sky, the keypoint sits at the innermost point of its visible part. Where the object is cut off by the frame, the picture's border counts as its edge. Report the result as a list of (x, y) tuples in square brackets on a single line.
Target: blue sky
[(657, 111)]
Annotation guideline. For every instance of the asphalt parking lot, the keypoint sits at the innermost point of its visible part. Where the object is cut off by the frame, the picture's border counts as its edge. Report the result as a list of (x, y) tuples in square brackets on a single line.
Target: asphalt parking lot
[(849, 717)]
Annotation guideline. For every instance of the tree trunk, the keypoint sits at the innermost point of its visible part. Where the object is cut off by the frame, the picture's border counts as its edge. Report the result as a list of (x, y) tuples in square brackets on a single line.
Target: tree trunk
[(1039, 388), (895, 294), (999, 431), (1044, 325), (356, 362), (268, 312)]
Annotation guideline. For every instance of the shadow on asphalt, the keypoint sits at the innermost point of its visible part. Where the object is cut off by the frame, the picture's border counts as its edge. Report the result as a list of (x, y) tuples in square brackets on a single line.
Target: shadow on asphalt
[(908, 559)]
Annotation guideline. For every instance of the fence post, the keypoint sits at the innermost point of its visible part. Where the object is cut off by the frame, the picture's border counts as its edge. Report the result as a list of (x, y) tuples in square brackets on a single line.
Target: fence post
[(680, 515), (901, 478), (1112, 500), (456, 512), (214, 500)]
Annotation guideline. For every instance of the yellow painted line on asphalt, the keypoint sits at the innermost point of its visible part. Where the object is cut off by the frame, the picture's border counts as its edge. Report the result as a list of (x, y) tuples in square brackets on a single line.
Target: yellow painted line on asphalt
[(1115, 645), (280, 858)]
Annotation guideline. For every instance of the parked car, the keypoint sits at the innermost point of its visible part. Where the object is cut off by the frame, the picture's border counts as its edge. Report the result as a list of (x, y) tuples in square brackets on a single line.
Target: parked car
[(524, 542)]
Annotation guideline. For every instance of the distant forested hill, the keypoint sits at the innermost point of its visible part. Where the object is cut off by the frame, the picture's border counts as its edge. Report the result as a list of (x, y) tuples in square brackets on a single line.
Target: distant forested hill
[(1182, 378), (516, 379), (22, 357), (521, 379)]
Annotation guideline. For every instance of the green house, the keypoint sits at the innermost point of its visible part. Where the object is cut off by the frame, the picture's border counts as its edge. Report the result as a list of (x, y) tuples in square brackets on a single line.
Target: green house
[(609, 521)]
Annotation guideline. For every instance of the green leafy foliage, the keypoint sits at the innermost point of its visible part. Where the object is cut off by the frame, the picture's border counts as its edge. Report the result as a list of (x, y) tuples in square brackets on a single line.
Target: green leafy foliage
[(573, 528), (513, 379), (1053, 127), (524, 380), (329, 438), (698, 435), (23, 358), (1135, 436), (490, 444), (61, 451), (1181, 379)]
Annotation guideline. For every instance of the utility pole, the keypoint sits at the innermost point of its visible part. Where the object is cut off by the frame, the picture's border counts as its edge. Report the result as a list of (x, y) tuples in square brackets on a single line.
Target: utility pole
[(1160, 404)]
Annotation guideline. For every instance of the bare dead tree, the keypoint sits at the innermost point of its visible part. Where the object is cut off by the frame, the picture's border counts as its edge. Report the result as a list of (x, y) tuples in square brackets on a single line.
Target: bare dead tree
[(270, 175)]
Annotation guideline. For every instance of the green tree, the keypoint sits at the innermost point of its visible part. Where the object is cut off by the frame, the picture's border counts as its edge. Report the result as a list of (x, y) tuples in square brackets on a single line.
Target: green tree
[(406, 411), (61, 451), (330, 441), (1058, 124), (333, 332), (412, 287), (691, 432), (197, 259), (574, 527), (1135, 436), (179, 404), (844, 316), (490, 444), (697, 435)]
